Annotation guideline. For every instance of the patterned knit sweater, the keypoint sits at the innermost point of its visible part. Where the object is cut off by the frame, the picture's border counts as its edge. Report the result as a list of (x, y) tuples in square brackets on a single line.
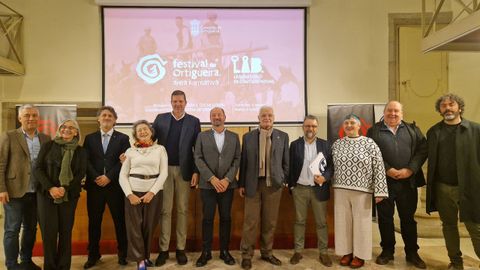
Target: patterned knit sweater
[(359, 166)]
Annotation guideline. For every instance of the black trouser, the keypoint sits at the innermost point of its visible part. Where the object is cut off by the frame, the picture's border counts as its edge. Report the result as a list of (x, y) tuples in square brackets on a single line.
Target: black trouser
[(210, 200), (97, 198), (405, 197), (56, 224)]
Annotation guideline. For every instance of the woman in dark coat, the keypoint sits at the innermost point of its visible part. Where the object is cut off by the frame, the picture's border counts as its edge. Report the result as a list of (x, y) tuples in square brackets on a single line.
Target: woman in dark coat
[(61, 165)]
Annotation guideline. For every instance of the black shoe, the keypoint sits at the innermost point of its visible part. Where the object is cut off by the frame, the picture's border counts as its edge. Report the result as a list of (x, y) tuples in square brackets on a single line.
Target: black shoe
[(122, 261), (246, 264), (416, 261), (162, 258), (272, 259), (384, 258), (227, 257), (204, 258), (29, 266), (296, 258), (148, 262), (181, 257), (91, 262), (15, 267)]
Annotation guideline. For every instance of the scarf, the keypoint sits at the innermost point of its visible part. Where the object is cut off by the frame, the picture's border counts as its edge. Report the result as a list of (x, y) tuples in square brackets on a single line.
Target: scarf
[(265, 148), (66, 174)]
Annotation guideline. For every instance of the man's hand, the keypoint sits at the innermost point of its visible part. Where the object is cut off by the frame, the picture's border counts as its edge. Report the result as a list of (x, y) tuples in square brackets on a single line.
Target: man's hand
[(194, 181), (393, 173), (404, 173), (216, 183), (122, 157), (319, 179), (102, 180), (147, 197), (4, 197), (57, 192), (241, 192), (378, 199), (134, 199)]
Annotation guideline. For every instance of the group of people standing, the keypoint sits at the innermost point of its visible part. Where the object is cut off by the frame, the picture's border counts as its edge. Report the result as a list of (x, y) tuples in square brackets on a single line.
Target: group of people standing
[(41, 178)]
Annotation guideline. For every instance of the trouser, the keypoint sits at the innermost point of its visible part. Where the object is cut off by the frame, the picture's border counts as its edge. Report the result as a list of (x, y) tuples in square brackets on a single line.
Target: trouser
[(260, 209), (303, 196), (56, 224), (141, 221), (210, 200), (97, 198), (447, 203), (19, 213), (174, 186), (405, 197), (353, 223)]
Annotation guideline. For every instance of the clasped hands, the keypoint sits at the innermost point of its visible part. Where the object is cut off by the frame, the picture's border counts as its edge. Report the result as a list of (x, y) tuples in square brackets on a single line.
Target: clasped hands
[(57, 192), (399, 174), (135, 200), (220, 185)]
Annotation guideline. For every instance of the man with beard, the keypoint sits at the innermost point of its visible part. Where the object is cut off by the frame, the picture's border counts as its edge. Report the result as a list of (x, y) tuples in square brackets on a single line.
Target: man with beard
[(453, 178), (217, 156), (309, 189), (263, 173), (404, 150)]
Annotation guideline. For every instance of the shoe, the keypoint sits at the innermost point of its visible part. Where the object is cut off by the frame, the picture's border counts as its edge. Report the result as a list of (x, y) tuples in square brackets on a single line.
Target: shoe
[(346, 260), (15, 267), (141, 265), (227, 257), (162, 258), (416, 261), (181, 257), (91, 262), (296, 258), (325, 259), (29, 266), (204, 258), (246, 264), (384, 258), (148, 263), (272, 259), (455, 266), (356, 263), (123, 261)]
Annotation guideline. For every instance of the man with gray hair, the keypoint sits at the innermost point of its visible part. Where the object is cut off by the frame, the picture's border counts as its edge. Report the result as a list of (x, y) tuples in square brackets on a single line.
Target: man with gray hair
[(263, 173), (19, 149), (453, 178)]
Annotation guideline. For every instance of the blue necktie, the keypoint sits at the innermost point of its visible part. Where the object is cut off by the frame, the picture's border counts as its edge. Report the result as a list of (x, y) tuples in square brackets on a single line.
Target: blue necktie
[(105, 142)]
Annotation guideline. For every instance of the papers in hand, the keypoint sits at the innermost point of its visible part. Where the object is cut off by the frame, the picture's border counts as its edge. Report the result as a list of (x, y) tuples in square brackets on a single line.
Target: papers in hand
[(318, 165)]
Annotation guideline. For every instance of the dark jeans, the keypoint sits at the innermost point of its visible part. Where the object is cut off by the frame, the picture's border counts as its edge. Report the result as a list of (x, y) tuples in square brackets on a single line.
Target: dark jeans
[(56, 224), (20, 212), (210, 200), (405, 197), (97, 198)]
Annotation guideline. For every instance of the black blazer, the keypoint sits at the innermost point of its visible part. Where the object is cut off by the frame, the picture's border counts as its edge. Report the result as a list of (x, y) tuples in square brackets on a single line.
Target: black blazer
[(297, 154), (48, 167), (188, 137), (110, 161)]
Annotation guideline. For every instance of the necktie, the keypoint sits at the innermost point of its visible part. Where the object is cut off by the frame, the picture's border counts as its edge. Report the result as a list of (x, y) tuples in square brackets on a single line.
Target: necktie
[(105, 142)]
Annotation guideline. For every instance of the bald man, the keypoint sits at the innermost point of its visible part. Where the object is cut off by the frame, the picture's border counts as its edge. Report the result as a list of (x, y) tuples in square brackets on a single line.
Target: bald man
[(404, 150)]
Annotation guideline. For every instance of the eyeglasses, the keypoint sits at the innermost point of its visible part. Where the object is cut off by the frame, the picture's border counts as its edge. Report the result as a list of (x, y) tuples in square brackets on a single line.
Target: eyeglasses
[(68, 127), (310, 126)]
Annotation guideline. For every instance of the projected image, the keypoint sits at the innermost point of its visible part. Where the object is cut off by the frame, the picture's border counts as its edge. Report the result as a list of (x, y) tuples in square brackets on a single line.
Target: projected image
[(238, 59)]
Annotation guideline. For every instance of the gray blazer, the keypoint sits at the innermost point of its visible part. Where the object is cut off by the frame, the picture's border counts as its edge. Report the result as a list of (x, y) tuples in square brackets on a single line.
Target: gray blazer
[(15, 168), (249, 162), (222, 164)]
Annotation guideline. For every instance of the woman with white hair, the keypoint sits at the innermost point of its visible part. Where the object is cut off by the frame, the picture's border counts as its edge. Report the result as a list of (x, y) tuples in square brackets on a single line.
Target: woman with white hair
[(61, 165), (359, 173)]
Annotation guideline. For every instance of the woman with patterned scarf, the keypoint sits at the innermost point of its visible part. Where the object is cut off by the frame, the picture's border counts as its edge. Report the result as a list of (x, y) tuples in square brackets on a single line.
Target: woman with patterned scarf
[(142, 176), (61, 165)]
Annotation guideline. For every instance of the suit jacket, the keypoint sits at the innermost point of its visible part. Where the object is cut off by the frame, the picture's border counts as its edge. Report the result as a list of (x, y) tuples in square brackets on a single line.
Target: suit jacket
[(249, 161), (108, 163), (188, 137), (210, 162), (297, 155), (15, 168)]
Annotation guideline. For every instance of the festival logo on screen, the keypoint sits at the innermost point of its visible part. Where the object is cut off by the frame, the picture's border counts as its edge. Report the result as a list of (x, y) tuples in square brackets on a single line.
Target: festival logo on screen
[(248, 70), (151, 68)]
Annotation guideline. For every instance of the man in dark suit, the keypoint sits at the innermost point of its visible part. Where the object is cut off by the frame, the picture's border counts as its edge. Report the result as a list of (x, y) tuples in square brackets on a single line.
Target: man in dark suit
[(309, 188), (263, 173), (217, 156), (19, 149), (177, 131), (104, 148)]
